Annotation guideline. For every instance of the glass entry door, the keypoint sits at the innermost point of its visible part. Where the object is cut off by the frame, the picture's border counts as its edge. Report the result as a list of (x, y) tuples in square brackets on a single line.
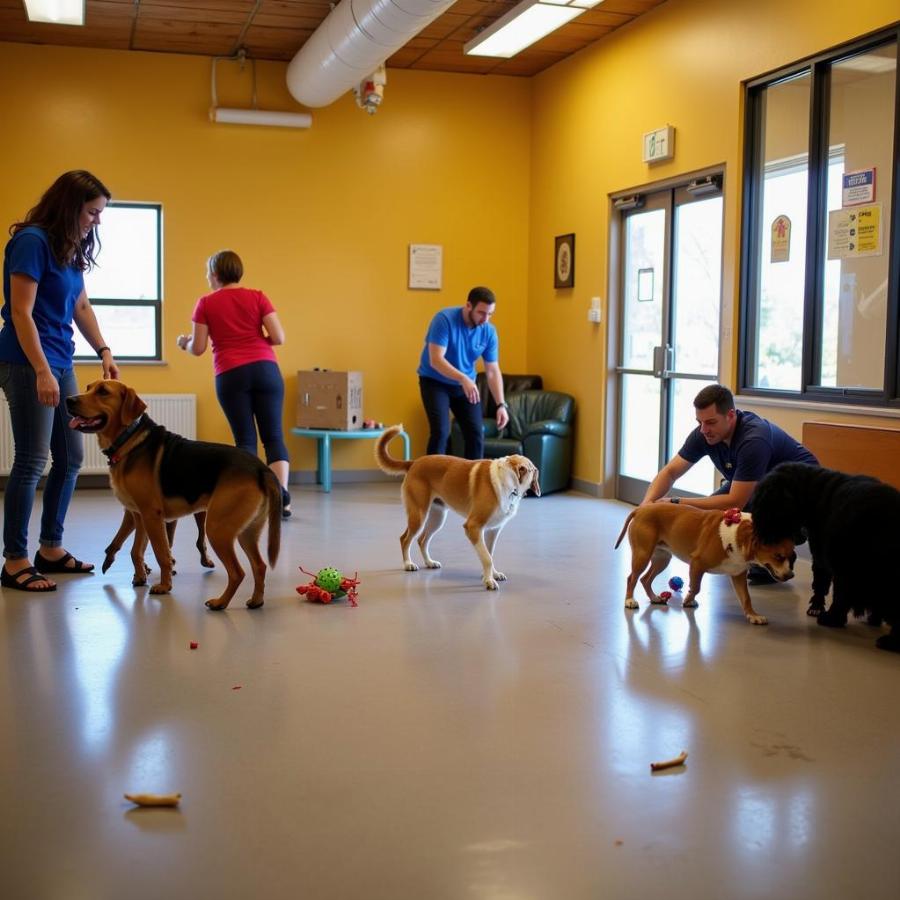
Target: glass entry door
[(669, 340)]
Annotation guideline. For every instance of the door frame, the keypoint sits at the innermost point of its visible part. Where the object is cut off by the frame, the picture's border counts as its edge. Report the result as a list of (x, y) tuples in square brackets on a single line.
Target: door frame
[(612, 429)]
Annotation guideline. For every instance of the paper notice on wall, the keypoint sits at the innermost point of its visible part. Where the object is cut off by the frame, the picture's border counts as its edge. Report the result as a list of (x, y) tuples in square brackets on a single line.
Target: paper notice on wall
[(426, 266), (855, 232), (781, 239)]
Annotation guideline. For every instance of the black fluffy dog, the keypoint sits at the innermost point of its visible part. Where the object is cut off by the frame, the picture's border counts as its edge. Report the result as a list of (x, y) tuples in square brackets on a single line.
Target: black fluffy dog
[(853, 523)]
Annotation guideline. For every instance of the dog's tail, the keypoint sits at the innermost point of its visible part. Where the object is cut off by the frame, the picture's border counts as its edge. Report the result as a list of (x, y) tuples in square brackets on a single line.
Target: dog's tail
[(625, 527), (273, 495), (385, 461)]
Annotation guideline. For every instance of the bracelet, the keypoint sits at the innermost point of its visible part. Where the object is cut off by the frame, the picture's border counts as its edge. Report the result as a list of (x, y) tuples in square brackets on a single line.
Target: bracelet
[(674, 500), (99, 351), (503, 404)]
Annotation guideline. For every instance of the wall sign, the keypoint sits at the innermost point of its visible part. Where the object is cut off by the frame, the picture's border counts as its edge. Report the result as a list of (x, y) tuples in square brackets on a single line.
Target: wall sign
[(426, 263), (659, 145)]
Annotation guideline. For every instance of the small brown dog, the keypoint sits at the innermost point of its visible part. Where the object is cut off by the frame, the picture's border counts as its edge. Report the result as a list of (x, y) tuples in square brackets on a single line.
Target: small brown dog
[(129, 525), (160, 476), (709, 541), (486, 492)]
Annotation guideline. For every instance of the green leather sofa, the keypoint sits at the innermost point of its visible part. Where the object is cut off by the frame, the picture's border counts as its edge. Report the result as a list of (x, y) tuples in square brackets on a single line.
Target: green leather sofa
[(541, 427)]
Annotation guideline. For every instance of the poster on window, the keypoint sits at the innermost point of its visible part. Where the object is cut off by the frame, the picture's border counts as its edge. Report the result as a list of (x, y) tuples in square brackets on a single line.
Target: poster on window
[(855, 232), (781, 239), (858, 187)]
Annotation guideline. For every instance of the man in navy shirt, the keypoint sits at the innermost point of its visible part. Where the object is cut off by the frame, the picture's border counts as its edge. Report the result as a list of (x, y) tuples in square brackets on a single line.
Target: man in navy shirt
[(456, 338), (741, 445)]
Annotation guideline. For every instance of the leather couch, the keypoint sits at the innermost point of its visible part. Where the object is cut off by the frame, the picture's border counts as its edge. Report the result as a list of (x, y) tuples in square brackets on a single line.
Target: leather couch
[(511, 385), (541, 427)]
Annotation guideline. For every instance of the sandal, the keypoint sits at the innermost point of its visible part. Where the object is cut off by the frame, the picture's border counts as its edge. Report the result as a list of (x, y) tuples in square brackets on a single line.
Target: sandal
[(59, 565), (8, 580), (285, 504)]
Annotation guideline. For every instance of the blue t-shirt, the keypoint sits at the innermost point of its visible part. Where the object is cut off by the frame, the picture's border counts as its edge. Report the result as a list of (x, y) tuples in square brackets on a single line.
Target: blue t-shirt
[(756, 447), (464, 344), (58, 288)]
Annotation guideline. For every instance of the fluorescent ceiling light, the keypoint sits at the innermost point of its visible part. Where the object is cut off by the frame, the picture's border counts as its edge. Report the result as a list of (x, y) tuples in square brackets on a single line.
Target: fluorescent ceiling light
[(260, 117), (59, 12), (525, 24)]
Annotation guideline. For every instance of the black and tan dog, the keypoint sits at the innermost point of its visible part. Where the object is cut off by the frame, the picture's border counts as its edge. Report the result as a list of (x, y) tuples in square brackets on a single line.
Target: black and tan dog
[(160, 476)]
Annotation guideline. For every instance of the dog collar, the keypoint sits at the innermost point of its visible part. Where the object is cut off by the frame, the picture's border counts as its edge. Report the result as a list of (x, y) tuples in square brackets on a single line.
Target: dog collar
[(111, 451)]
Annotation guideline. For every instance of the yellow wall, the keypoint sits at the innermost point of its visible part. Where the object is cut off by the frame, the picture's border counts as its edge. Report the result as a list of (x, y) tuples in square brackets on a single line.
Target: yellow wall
[(322, 218), (681, 64)]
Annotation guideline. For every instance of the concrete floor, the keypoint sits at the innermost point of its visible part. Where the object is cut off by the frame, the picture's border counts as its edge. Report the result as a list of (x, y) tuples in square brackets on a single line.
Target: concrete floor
[(439, 741)]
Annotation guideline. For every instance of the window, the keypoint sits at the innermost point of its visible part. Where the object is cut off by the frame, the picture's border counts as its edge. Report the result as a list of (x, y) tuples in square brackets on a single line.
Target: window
[(820, 314), (125, 286)]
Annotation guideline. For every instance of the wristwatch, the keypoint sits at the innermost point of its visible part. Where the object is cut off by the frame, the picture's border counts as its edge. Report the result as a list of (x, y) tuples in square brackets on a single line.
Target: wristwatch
[(674, 499), (504, 404)]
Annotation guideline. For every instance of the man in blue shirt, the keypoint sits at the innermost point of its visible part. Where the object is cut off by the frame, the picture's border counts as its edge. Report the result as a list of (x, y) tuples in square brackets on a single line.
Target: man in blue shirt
[(742, 446), (456, 338)]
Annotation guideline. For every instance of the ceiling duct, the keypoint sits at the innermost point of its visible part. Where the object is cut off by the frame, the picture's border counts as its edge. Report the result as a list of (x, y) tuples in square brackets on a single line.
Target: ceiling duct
[(355, 39)]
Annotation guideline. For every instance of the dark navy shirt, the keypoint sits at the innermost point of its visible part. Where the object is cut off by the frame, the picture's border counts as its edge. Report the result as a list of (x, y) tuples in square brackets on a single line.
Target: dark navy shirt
[(756, 447)]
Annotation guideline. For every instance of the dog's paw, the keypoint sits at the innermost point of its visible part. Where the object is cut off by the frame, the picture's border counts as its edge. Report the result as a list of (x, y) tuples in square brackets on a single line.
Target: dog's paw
[(813, 610), (410, 567), (754, 619), (215, 605), (830, 620), (888, 642), (631, 603), (490, 584), (432, 564), (499, 576), (660, 601), (253, 603), (107, 562), (690, 603), (161, 589)]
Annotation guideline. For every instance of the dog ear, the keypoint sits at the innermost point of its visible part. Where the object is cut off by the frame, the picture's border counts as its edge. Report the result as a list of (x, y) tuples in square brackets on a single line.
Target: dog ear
[(535, 486), (132, 406)]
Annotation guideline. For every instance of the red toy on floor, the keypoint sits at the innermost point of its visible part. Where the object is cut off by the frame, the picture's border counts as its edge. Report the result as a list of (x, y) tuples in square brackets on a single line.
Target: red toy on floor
[(328, 584)]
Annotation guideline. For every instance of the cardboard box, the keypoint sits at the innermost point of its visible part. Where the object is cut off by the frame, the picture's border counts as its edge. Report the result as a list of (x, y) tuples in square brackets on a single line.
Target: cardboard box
[(329, 399)]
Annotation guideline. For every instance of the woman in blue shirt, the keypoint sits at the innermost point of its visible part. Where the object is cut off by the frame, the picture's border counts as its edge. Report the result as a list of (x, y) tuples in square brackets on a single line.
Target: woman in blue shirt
[(43, 293)]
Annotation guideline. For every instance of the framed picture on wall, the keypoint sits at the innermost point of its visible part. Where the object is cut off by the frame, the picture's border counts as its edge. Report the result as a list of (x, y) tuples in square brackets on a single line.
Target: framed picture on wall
[(564, 261)]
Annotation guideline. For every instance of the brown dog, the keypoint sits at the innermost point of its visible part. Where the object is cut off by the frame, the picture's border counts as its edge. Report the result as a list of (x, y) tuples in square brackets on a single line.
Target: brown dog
[(128, 526), (709, 541), (160, 476), (486, 492)]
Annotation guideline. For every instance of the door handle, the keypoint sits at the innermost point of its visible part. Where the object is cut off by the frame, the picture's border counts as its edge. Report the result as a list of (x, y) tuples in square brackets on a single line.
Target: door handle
[(663, 360)]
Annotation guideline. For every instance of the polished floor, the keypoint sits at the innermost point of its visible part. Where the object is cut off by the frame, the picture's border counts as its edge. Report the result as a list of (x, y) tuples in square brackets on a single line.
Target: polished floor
[(439, 741)]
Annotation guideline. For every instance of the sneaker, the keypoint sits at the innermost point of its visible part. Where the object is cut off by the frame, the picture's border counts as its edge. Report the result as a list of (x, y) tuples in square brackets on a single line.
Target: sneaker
[(285, 504), (759, 575)]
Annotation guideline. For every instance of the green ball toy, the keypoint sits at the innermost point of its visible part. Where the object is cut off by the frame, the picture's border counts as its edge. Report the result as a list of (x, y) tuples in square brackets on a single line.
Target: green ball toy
[(329, 580)]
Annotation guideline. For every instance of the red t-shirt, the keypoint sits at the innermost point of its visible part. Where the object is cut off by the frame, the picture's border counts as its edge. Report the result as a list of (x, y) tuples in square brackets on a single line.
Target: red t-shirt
[(234, 318)]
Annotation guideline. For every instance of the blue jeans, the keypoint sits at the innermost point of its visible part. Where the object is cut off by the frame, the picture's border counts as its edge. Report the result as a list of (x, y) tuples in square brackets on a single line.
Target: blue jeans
[(38, 432), (439, 400), (251, 396)]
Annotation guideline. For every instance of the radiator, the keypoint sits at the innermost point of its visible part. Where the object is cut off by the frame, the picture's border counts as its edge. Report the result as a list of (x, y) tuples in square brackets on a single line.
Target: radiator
[(178, 412)]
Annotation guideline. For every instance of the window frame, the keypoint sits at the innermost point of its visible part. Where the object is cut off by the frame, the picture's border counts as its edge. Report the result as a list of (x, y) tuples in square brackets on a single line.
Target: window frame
[(156, 304), (819, 68)]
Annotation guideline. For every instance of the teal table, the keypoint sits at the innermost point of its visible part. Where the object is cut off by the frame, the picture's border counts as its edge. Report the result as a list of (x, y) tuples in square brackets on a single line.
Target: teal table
[(325, 436)]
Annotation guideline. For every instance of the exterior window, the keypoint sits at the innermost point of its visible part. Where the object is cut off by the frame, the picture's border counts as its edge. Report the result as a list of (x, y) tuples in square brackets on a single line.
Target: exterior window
[(820, 268), (125, 286)]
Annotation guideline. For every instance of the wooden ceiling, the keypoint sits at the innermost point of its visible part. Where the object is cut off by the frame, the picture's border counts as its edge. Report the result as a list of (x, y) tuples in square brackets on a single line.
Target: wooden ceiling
[(276, 29)]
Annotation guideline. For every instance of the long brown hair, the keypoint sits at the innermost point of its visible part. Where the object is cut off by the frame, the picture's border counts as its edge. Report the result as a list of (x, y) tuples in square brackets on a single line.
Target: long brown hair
[(58, 212)]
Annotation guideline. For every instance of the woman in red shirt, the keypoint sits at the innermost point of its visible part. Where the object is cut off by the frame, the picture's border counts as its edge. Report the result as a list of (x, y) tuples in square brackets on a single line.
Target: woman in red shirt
[(243, 327)]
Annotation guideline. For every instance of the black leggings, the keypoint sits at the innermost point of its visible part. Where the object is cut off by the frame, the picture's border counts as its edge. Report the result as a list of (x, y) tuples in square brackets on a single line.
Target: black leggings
[(251, 396)]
